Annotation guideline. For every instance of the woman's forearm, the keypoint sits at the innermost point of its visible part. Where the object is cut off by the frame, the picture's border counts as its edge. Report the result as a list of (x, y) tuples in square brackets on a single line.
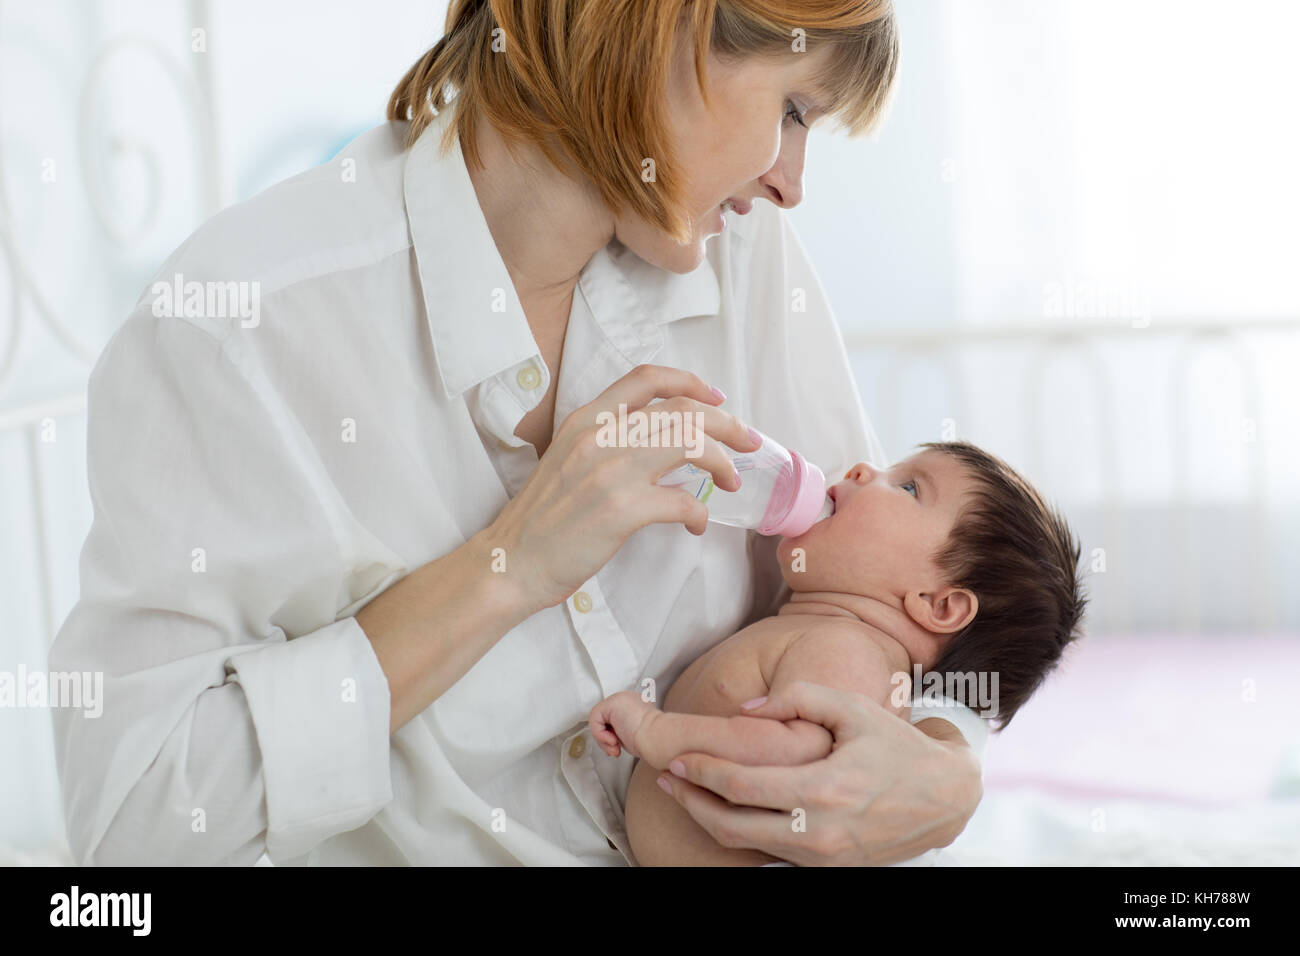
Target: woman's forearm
[(432, 626), (660, 831)]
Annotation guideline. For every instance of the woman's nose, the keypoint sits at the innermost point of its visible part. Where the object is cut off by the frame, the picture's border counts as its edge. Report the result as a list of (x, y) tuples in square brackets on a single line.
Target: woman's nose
[(784, 181)]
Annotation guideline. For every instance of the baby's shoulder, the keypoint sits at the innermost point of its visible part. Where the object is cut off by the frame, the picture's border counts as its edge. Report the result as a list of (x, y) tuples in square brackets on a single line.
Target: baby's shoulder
[(851, 633), (838, 647)]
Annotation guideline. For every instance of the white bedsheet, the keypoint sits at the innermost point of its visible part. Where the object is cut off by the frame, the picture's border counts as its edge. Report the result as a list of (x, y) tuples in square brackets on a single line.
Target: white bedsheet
[(1033, 828)]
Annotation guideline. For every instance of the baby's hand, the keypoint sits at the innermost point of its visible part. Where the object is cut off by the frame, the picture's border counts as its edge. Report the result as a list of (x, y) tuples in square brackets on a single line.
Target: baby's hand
[(618, 719)]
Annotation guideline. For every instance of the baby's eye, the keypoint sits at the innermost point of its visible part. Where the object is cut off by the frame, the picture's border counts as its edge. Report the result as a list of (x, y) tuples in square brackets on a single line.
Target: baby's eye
[(909, 487)]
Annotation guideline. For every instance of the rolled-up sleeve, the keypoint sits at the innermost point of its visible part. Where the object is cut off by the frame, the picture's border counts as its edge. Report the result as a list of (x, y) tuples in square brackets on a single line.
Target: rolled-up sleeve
[(239, 713)]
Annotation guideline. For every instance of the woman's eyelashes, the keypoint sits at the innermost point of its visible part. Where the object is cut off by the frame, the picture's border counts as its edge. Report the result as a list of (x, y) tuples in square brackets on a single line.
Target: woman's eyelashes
[(794, 114)]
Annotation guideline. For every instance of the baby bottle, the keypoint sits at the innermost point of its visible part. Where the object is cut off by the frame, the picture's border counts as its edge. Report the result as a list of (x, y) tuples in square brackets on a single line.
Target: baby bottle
[(780, 492)]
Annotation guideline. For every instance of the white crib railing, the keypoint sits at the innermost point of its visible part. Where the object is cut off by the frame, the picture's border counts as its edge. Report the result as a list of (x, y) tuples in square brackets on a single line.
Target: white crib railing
[(28, 313)]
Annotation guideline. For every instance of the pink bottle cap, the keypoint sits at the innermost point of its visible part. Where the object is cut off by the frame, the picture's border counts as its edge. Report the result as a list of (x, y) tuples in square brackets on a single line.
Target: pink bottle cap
[(806, 502)]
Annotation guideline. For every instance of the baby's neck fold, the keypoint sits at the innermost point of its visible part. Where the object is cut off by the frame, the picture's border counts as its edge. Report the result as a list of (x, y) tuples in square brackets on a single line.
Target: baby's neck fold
[(880, 615)]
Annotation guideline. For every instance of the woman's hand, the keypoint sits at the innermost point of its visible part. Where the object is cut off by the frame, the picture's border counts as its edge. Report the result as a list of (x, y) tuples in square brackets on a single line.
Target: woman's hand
[(887, 792), (584, 499)]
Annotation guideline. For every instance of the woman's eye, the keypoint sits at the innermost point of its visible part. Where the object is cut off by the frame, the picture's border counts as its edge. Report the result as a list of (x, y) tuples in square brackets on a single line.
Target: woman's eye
[(794, 114), (909, 487)]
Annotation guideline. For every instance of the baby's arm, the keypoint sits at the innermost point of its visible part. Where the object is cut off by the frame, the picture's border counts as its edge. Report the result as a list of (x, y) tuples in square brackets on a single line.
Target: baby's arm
[(836, 655), (625, 721), (841, 655)]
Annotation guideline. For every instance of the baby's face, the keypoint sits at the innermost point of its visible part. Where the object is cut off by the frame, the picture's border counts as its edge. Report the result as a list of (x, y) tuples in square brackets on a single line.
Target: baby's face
[(886, 530)]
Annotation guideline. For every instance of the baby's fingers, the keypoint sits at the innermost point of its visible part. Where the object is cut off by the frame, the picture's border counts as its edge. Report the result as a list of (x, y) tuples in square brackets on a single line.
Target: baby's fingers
[(602, 733), (608, 741)]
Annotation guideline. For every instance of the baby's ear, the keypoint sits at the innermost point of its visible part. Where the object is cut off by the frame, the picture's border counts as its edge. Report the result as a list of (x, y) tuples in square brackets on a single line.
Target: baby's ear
[(945, 611)]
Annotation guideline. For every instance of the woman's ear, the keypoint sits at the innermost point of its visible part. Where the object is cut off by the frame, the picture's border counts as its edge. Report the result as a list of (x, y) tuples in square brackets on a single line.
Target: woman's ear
[(945, 611)]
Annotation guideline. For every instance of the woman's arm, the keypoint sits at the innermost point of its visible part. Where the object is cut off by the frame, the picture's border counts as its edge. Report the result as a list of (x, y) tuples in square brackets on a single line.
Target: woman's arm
[(431, 627), (210, 583), (241, 713)]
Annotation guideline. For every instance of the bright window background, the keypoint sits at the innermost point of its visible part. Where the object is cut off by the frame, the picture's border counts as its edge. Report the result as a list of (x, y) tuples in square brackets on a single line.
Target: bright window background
[(1123, 171)]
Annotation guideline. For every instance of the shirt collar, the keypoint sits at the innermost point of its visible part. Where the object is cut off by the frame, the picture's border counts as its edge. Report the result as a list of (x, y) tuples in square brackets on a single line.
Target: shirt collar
[(476, 321)]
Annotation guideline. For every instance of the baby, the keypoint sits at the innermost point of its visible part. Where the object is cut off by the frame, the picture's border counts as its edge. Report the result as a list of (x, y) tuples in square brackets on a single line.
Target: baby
[(949, 561)]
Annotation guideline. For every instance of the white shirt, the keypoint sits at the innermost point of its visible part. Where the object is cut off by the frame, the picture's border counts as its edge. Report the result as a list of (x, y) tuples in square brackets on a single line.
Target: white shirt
[(255, 485)]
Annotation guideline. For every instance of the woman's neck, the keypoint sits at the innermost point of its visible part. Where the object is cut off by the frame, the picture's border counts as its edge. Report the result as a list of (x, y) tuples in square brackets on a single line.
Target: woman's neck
[(545, 225)]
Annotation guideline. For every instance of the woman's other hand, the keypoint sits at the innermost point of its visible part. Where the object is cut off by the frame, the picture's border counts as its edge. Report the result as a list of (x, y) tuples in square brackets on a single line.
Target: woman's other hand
[(887, 792)]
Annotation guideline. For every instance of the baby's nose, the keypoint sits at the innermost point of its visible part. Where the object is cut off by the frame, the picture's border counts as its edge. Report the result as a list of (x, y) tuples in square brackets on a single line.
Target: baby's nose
[(861, 472)]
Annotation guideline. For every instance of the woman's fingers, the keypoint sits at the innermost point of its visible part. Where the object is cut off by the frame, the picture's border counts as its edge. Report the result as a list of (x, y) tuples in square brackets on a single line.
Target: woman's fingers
[(773, 788), (684, 422), (672, 506), (802, 833), (844, 713), (873, 800), (647, 382), (737, 827), (707, 454), (598, 484), (682, 431), (670, 415)]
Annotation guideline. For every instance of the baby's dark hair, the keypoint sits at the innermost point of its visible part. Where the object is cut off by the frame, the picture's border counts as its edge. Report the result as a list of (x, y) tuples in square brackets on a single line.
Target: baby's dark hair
[(1021, 560)]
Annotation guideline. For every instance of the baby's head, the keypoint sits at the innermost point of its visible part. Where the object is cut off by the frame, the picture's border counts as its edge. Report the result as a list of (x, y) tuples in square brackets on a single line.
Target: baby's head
[(981, 572)]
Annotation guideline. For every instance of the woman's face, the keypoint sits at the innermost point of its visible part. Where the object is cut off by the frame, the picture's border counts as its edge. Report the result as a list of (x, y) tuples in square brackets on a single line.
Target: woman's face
[(750, 146)]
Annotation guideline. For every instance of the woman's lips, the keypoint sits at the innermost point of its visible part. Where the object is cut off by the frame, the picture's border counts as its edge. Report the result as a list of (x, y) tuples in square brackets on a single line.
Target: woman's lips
[(740, 206)]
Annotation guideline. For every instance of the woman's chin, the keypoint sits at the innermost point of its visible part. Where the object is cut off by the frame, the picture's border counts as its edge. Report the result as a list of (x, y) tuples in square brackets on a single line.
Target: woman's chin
[(681, 259), (662, 252)]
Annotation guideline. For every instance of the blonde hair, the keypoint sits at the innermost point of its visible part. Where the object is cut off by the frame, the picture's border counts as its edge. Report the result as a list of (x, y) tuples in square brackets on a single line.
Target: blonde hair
[(590, 77)]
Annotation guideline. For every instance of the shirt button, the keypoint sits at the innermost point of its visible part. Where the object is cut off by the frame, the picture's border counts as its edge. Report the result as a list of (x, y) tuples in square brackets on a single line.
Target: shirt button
[(582, 601), (578, 747), (528, 377)]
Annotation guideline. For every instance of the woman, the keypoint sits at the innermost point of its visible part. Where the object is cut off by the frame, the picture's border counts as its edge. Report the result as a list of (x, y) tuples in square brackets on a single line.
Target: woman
[(359, 567)]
